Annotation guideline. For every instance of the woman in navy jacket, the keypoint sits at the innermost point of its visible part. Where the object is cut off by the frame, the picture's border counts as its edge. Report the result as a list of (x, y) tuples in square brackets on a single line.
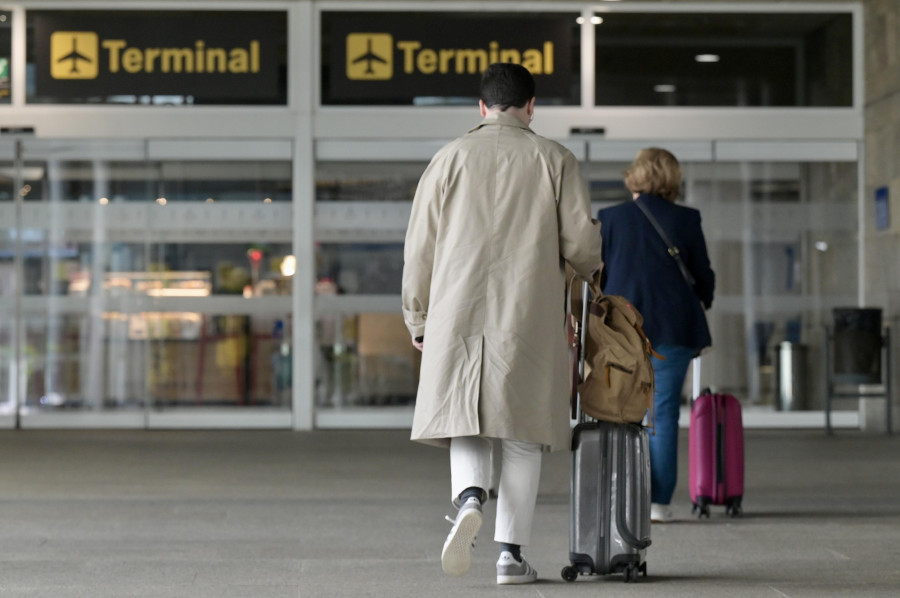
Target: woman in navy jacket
[(638, 266)]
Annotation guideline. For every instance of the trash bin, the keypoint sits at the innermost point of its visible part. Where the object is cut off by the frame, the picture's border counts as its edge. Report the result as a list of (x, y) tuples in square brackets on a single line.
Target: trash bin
[(857, 345), (791, 388)]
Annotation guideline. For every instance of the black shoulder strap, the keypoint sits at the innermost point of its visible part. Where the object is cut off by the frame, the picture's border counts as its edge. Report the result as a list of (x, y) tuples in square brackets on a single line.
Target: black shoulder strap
[(673, 251)]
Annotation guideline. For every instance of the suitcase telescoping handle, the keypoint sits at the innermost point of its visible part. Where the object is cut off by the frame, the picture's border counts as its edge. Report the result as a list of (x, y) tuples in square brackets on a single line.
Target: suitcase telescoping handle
[(580, 335), (581, 343), (628, 535)]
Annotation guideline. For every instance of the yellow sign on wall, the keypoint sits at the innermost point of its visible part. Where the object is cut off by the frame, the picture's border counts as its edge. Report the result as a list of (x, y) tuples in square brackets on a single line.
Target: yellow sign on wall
[(370, 56), (74, 55), (170, 56), (421, 58)]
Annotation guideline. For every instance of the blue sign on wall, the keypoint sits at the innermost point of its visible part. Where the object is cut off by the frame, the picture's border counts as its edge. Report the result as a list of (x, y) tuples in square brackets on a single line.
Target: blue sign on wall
[(882, 209)]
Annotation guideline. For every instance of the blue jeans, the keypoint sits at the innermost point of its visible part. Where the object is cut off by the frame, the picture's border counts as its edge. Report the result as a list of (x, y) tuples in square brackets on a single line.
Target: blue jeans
[(669, 379)]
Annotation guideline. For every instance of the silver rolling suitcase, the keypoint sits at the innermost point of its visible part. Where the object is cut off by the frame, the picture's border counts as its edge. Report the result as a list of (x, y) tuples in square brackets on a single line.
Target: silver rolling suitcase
[(610, 496)]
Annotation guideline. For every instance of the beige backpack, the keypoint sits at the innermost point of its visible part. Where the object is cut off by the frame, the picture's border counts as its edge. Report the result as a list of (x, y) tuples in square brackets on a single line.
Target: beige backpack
[(616, 384)]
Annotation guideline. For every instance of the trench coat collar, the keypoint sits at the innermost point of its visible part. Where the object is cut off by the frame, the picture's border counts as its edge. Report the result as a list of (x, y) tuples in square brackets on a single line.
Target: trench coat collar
[(501, 118)]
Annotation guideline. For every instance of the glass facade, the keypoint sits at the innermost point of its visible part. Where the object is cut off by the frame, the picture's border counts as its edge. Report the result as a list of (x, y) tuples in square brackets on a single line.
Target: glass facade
[(244, 255), (147, 283), (364, 355), (782, 240), (5, 56), (781, 236)]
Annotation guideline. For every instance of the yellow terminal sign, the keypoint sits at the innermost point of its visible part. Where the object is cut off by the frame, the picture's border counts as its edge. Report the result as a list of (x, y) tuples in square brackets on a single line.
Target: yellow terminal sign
[(74, 55), (370, 57)]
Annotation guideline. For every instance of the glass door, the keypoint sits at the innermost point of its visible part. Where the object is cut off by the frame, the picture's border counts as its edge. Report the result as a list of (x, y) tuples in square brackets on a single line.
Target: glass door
[(785, 216), (366, 369), (152, 281), (781, 224), (11, 180)]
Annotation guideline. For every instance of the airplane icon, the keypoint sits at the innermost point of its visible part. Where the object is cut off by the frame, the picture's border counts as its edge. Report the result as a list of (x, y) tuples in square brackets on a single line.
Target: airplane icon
[(369, 57), (74, 56)]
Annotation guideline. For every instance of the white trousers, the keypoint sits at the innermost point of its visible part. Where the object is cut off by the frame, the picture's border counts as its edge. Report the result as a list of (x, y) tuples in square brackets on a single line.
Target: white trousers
[(520, 473)]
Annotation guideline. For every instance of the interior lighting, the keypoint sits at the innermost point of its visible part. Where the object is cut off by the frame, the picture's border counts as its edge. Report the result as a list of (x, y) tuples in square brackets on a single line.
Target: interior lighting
[(707, 58), (664, 88), (161, 201), (822, 246), (267, 200), (595, 20), (210, 200), (288, 266), (178, 292), (2, 18), (103, 201)]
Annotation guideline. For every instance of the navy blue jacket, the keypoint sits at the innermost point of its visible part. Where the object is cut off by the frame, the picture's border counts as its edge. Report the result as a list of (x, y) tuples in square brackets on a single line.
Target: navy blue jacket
[(638, 266)]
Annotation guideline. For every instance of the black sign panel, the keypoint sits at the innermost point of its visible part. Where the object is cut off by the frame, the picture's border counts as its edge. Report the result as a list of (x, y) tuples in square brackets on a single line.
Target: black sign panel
[(214, 56), (403, 58)]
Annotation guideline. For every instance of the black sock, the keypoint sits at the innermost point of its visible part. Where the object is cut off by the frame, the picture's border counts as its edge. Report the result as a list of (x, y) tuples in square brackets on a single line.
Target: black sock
[(513, 549), (471, 492)]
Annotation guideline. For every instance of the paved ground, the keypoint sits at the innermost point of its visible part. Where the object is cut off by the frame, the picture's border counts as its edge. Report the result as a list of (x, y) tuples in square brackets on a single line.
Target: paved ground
[(117, 514)]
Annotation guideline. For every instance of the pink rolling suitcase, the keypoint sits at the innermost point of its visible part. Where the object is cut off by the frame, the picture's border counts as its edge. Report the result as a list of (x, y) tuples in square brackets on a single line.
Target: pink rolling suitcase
[(716, 457)]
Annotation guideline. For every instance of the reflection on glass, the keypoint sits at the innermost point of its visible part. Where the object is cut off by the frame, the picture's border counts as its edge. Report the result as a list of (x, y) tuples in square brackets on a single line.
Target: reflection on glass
[(156, 359), (367, 182), (7, 360), (361, 269), (117, 286), (7, 176), (773, 284), (158, 270), (782, 241), (5, 56), (365, 359), (183, 181)]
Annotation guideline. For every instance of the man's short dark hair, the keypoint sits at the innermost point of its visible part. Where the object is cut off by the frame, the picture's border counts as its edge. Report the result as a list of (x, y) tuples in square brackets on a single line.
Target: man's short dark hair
[(505, 84)]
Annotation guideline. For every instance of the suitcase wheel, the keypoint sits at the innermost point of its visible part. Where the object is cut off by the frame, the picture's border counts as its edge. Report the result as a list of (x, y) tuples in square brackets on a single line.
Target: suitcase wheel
[(733, 508), (703, 507), (570, 573), (631, 572)]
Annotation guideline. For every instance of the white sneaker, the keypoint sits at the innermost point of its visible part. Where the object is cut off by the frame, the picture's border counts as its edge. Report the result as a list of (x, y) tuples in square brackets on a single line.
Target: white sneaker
[(511, 571), (456, 558), (661, 513)]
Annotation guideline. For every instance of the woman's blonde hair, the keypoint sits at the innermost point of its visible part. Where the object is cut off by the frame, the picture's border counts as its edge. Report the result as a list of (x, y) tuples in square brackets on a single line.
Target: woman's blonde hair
[(654, 171)]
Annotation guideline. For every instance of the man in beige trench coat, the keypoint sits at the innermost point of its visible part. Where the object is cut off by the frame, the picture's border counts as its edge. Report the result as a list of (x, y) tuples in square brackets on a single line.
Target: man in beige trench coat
[(496, 214)]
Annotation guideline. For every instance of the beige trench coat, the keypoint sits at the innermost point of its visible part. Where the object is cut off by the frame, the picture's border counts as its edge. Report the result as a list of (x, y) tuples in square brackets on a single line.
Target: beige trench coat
[(494, 214)]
